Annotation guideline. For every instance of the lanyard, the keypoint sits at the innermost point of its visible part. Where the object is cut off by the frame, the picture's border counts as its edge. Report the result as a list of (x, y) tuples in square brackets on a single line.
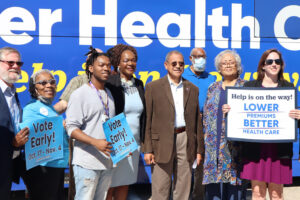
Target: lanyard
[(105, 105)]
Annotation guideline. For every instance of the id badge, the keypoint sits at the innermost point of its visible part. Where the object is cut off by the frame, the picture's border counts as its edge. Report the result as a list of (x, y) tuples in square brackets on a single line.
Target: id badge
[(104, 118)]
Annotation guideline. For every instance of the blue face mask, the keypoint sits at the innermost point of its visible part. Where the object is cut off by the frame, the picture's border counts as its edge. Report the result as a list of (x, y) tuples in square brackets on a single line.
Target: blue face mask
[(199, 64)]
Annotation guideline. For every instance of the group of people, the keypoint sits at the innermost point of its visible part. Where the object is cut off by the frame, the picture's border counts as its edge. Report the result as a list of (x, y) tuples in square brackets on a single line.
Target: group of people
[(177, 120)]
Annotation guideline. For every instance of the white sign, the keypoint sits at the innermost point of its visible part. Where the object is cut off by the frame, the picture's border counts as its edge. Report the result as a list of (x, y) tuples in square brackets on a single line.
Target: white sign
[(261, 115)]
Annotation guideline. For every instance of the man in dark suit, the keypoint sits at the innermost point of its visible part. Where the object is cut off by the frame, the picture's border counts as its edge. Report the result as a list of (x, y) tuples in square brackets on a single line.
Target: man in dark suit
[(173, 133), (10, 116)]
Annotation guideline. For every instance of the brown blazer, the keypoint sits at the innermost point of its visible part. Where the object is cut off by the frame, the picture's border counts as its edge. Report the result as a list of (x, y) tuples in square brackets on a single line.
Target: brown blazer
[(160, 118)]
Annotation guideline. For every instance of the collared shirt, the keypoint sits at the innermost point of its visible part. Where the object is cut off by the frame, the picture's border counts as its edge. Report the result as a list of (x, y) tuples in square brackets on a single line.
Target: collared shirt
[(203, 81), (177, 93), (9, 94)]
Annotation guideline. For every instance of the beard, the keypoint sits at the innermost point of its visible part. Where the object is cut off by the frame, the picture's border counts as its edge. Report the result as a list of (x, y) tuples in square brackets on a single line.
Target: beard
[(10, 76)]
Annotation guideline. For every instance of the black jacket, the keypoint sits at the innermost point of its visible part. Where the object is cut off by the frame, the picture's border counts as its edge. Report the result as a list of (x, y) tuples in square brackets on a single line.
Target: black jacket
[(7, 171), (114, 85), (251, 151)]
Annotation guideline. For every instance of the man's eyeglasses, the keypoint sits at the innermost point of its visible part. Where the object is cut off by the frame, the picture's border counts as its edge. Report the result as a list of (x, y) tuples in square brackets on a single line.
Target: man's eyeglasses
[(270, 61), (44, 83), (174, 64), (12, 63)]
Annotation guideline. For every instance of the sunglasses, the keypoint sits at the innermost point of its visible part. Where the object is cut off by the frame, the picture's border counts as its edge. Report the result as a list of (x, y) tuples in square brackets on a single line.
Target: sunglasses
[(270, 61), (174, 64), (12, 63), (44, 83)]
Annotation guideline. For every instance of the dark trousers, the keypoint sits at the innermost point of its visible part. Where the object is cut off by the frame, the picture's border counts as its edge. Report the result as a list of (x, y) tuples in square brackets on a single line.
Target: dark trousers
[(45, 183), (5, 184), (198, 188), (225, 191)]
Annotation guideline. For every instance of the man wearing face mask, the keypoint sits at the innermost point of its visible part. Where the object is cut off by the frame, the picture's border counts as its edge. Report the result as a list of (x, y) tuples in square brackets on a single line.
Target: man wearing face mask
[(202, 79)]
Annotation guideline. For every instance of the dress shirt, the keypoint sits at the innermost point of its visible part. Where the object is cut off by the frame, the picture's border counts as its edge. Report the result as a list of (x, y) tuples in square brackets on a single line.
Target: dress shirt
[(9, 94), (177, 93)]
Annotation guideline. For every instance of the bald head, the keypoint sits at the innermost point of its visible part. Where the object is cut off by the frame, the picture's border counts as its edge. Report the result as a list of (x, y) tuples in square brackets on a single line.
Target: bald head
[(197, 53)]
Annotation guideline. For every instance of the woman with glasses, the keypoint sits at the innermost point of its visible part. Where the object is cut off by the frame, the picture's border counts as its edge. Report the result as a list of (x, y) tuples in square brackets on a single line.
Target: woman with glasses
[(268, 165), (220, 170), (45, 181), (128, 93)]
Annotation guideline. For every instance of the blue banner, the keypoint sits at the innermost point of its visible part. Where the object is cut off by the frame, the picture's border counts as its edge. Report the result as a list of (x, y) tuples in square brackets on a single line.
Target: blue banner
[(278, 19), (45, 142), (55, 35), (118, 133)]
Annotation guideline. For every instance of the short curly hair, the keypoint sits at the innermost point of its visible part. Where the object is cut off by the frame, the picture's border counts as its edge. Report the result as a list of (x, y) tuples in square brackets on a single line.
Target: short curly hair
[(236, 56), (116, 52)]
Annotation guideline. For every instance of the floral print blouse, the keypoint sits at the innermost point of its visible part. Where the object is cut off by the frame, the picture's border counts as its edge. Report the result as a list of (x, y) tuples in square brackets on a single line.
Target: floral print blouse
[(224, 167)]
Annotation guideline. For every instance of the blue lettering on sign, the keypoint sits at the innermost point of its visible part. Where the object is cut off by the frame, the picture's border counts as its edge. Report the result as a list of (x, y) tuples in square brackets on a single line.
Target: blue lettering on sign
[(261, 107), (260, 123)]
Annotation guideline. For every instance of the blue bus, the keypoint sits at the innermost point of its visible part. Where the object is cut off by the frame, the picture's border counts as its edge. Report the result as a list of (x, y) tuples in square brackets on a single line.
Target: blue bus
[(55, 35)]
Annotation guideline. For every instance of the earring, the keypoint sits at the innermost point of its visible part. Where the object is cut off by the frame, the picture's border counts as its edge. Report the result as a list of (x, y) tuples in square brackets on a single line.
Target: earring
[(118, 69)]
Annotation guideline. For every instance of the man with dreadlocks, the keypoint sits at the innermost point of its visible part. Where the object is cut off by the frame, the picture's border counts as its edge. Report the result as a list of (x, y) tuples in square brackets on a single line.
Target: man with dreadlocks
[(88, 107), (61, 107)]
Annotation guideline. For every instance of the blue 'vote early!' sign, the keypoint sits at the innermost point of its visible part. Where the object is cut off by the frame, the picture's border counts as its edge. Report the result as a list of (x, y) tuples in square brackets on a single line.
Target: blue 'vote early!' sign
[(45, 141), (118, 132)]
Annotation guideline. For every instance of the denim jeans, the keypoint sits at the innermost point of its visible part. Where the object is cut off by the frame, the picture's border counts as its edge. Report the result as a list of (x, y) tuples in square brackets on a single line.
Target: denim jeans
[(91, 184)]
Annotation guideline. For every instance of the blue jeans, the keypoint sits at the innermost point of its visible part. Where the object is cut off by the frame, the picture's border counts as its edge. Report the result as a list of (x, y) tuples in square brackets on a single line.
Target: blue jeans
[(225, 191), (91, 184)]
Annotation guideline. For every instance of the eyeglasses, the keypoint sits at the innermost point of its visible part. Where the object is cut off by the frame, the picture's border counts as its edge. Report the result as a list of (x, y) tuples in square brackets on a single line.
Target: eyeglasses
[(174, 64), (270, 61), (44, 83), (228, 64), (12, 63)]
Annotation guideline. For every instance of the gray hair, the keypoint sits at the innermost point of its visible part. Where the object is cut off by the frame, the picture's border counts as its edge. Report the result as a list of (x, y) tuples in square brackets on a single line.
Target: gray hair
[(236, 56), (32, 82), (171, 53), (7, 50)]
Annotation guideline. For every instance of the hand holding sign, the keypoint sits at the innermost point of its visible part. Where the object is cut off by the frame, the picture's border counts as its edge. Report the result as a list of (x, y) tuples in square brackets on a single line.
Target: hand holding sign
[(225, 108), (295, 114), (118, 133), (45, 140), (21, 138), (102, 145)]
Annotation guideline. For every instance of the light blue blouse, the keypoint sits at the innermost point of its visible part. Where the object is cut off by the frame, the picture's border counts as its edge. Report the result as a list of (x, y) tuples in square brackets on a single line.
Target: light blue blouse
[(34, 110), (133, 109)]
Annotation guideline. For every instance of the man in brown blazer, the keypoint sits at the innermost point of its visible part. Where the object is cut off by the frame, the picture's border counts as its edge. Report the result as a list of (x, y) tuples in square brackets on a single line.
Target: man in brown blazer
[(173, 134)]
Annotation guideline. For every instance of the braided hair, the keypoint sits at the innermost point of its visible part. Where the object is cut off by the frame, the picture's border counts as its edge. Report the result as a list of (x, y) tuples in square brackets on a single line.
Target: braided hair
[(116, 52), (92, 56)]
